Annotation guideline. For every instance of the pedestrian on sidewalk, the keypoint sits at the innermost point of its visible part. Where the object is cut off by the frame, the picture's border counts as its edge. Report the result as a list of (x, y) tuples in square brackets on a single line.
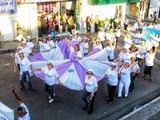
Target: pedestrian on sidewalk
[(51, 77), (90, 91), (22, 110), (126, 22), (25, 71), (112, 82)]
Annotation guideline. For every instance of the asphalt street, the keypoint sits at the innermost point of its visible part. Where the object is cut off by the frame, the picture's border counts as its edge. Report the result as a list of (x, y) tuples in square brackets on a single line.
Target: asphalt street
[(68, 104)]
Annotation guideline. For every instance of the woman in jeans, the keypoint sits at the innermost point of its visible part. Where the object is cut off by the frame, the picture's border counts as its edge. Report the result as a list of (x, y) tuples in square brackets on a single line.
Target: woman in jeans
[(25, 68), (90, 90)]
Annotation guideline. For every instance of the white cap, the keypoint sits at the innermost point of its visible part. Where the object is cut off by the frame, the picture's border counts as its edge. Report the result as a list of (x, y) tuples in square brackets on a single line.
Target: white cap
[(23, 42), (50, 62), (20, 51), (49, 36), (29, 37), (58, 35), (127, 61), (113, 64), (90, 71)]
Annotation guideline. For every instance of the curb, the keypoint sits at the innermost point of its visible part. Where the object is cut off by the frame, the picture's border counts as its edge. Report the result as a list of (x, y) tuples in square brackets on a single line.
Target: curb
[(3, 51), (146, 111)]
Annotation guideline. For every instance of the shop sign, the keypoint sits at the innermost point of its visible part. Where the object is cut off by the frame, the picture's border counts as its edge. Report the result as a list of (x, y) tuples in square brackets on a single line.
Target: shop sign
[(7, 6)]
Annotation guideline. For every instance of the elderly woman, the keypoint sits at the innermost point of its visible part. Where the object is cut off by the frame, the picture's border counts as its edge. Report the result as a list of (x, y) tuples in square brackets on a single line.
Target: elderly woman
[(51, 77), (25, 68), (112, 81), (90, 90)]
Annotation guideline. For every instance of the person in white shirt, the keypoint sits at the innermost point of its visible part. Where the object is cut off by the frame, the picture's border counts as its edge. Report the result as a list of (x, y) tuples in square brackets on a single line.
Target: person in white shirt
[(149, 43), (117, 34), (149, 63), (110, 51), (97, 45), (135, 70), (112, 81), (26, 51), (25, 71), (51, 78), (30, 44), (111, 37), (125, 79), (90, 90), (138, 38), (44, 46), (22, 110), (136, 25), (51, 42), (17, 58), (85, 46), (127, 40), (126, 22)]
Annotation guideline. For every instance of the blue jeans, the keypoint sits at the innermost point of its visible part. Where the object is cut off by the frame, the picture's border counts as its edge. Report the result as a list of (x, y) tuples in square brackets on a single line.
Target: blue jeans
[(28, 78)]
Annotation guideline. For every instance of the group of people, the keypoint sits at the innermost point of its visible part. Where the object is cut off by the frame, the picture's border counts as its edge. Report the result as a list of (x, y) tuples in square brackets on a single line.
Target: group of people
[(79, 63)]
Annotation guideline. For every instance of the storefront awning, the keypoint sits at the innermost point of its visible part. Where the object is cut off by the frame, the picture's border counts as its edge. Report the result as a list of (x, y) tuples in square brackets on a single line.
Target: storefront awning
[(105, 2)]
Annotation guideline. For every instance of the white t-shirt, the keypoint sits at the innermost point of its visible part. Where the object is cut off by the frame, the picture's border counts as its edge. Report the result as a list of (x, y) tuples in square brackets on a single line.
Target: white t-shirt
[(27, 116), (141, 53), (78, 40), (127, 42), (121, 55), (149, 59), (85, 45), (24, 65), (91, 83), (50, 75), (30, 45), (135, 68), (125, 74), (51, 43), (112, 77), (110, 51), (97, 47), (17, 58), (43, 46), (26, 51)]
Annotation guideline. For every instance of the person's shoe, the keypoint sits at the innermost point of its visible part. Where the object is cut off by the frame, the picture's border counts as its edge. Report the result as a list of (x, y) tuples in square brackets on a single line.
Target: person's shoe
[(90, 111), (22, 89), (85, 107), (51, 100), (30, 89), (49, 97)]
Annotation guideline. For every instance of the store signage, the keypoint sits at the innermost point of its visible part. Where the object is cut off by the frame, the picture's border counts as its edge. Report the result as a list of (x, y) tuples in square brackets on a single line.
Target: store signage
[(7, 6)]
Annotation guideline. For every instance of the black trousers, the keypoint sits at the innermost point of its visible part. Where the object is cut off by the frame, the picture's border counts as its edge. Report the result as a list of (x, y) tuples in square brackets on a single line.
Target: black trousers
[(111, 92), (49, 89), (147, 70), (89, 102), (125, 27), (131, 87)]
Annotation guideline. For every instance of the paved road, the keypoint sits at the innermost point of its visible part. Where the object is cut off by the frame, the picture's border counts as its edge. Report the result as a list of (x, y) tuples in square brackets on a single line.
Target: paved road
[(68, 104)]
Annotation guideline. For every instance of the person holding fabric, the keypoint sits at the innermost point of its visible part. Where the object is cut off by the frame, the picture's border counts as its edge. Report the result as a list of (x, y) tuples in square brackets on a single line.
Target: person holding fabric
[(135, 70), (51, 78), (85, 46), (149, 63), (110, 51), (26, 51), (22, 110), (25, 69), (90, 90), (44, 46), (112, 81)]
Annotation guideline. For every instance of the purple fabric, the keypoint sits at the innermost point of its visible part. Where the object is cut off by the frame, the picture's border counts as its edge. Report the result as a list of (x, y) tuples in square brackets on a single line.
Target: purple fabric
[(64, 48), (73, 56), (39, 74), (36, 57), (93, 52), (73, 43), (81, 71), (61, 69)]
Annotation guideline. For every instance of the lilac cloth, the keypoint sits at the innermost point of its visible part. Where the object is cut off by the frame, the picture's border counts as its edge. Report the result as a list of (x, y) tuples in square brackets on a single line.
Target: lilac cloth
[(93, 52), (37, 57), (64, 48)]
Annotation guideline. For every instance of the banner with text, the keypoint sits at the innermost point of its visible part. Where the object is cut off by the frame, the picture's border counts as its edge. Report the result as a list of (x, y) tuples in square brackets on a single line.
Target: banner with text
[(7, 6)]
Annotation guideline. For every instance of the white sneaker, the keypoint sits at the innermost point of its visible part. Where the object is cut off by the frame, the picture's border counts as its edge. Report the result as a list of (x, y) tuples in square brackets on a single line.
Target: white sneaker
[(51, 100), (49, 97)]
